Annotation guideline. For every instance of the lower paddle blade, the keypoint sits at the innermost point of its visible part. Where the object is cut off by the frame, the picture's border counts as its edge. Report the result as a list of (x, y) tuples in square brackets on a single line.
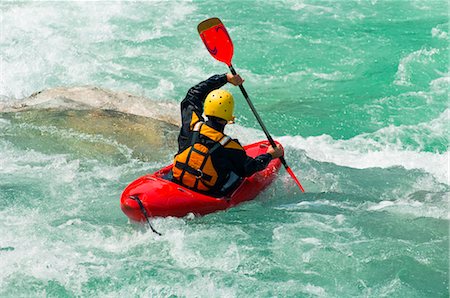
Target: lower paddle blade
[(288, 169), (216, 39)]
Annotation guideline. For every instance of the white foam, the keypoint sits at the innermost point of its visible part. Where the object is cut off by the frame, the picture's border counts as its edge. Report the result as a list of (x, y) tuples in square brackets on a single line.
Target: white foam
[(30, 67), (441, 85), (340, 218), (380, 205), (164, 89), (35, 256), (245, 135), (403, 75), (34, 164), (314, 290), (415, 208), (58, 44), (314, 9), (313, 241), (224, 258), (422, 5), (381, 149), (4, 122), (334, 76), (439, 31), (299, 76)]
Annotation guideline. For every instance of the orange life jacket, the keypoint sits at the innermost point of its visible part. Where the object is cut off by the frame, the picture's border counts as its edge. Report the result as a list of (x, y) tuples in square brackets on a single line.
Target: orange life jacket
[(193, 166)]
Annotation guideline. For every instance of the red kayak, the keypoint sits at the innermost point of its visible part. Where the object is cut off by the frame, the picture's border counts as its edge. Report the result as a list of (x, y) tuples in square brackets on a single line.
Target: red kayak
[(161, 197)]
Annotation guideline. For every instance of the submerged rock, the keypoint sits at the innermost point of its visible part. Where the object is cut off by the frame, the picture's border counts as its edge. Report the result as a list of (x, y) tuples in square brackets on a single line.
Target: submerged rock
[(93, 123)]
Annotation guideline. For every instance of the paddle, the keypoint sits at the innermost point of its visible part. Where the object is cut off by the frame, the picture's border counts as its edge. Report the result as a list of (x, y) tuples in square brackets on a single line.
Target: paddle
[(219, 44)]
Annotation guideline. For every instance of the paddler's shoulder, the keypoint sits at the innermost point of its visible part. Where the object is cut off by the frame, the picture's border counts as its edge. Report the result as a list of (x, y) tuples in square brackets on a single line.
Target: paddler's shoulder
[(234, 144)]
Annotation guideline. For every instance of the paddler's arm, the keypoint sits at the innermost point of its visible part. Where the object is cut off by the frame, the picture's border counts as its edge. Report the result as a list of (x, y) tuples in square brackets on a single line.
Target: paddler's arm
[(253, 165), (192, 104), (245, 166)]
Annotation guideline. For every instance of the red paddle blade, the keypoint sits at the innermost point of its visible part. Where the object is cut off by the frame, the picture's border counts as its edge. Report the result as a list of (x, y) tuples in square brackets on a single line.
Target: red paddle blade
[(216, 39), (288, 169)]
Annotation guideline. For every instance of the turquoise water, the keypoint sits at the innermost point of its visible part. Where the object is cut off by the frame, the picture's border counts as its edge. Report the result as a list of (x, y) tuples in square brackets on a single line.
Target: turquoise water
[(357, 91)]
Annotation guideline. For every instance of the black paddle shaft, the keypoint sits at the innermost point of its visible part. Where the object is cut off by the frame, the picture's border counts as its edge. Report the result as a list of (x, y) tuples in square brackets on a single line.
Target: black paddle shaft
[(252, 107)]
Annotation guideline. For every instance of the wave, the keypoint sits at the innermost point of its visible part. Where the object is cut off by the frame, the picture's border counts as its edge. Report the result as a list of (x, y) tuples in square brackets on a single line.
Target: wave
[(440, 32), (428, 205), (75, 43), (387, 147), (407, 146), (392, 146), (423, 56)]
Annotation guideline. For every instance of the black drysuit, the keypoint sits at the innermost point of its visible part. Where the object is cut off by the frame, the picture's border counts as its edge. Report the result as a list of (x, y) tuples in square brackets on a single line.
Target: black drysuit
[(228, 158)]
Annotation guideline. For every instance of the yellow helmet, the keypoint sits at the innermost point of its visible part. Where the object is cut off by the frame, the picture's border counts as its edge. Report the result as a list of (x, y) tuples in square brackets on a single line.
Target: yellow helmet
[(220, 103)]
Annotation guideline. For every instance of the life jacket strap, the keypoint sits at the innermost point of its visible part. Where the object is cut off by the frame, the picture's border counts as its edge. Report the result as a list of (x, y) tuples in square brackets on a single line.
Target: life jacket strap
[(224, 140), (196, 132), (197, 126), (197, 173)]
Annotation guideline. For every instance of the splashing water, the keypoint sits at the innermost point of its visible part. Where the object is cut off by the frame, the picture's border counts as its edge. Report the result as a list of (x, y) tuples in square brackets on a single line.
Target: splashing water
[(357, 91)]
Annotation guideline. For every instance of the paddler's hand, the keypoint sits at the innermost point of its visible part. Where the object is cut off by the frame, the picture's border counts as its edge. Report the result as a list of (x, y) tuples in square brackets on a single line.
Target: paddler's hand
[(276, 152), (236, 80)]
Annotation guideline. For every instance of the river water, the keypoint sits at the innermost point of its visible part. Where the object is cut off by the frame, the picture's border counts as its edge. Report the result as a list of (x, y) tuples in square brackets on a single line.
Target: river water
[(356, 91)]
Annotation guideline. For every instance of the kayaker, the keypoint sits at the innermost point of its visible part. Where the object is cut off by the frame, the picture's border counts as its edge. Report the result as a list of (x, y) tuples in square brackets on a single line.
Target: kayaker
[(207, 159)]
